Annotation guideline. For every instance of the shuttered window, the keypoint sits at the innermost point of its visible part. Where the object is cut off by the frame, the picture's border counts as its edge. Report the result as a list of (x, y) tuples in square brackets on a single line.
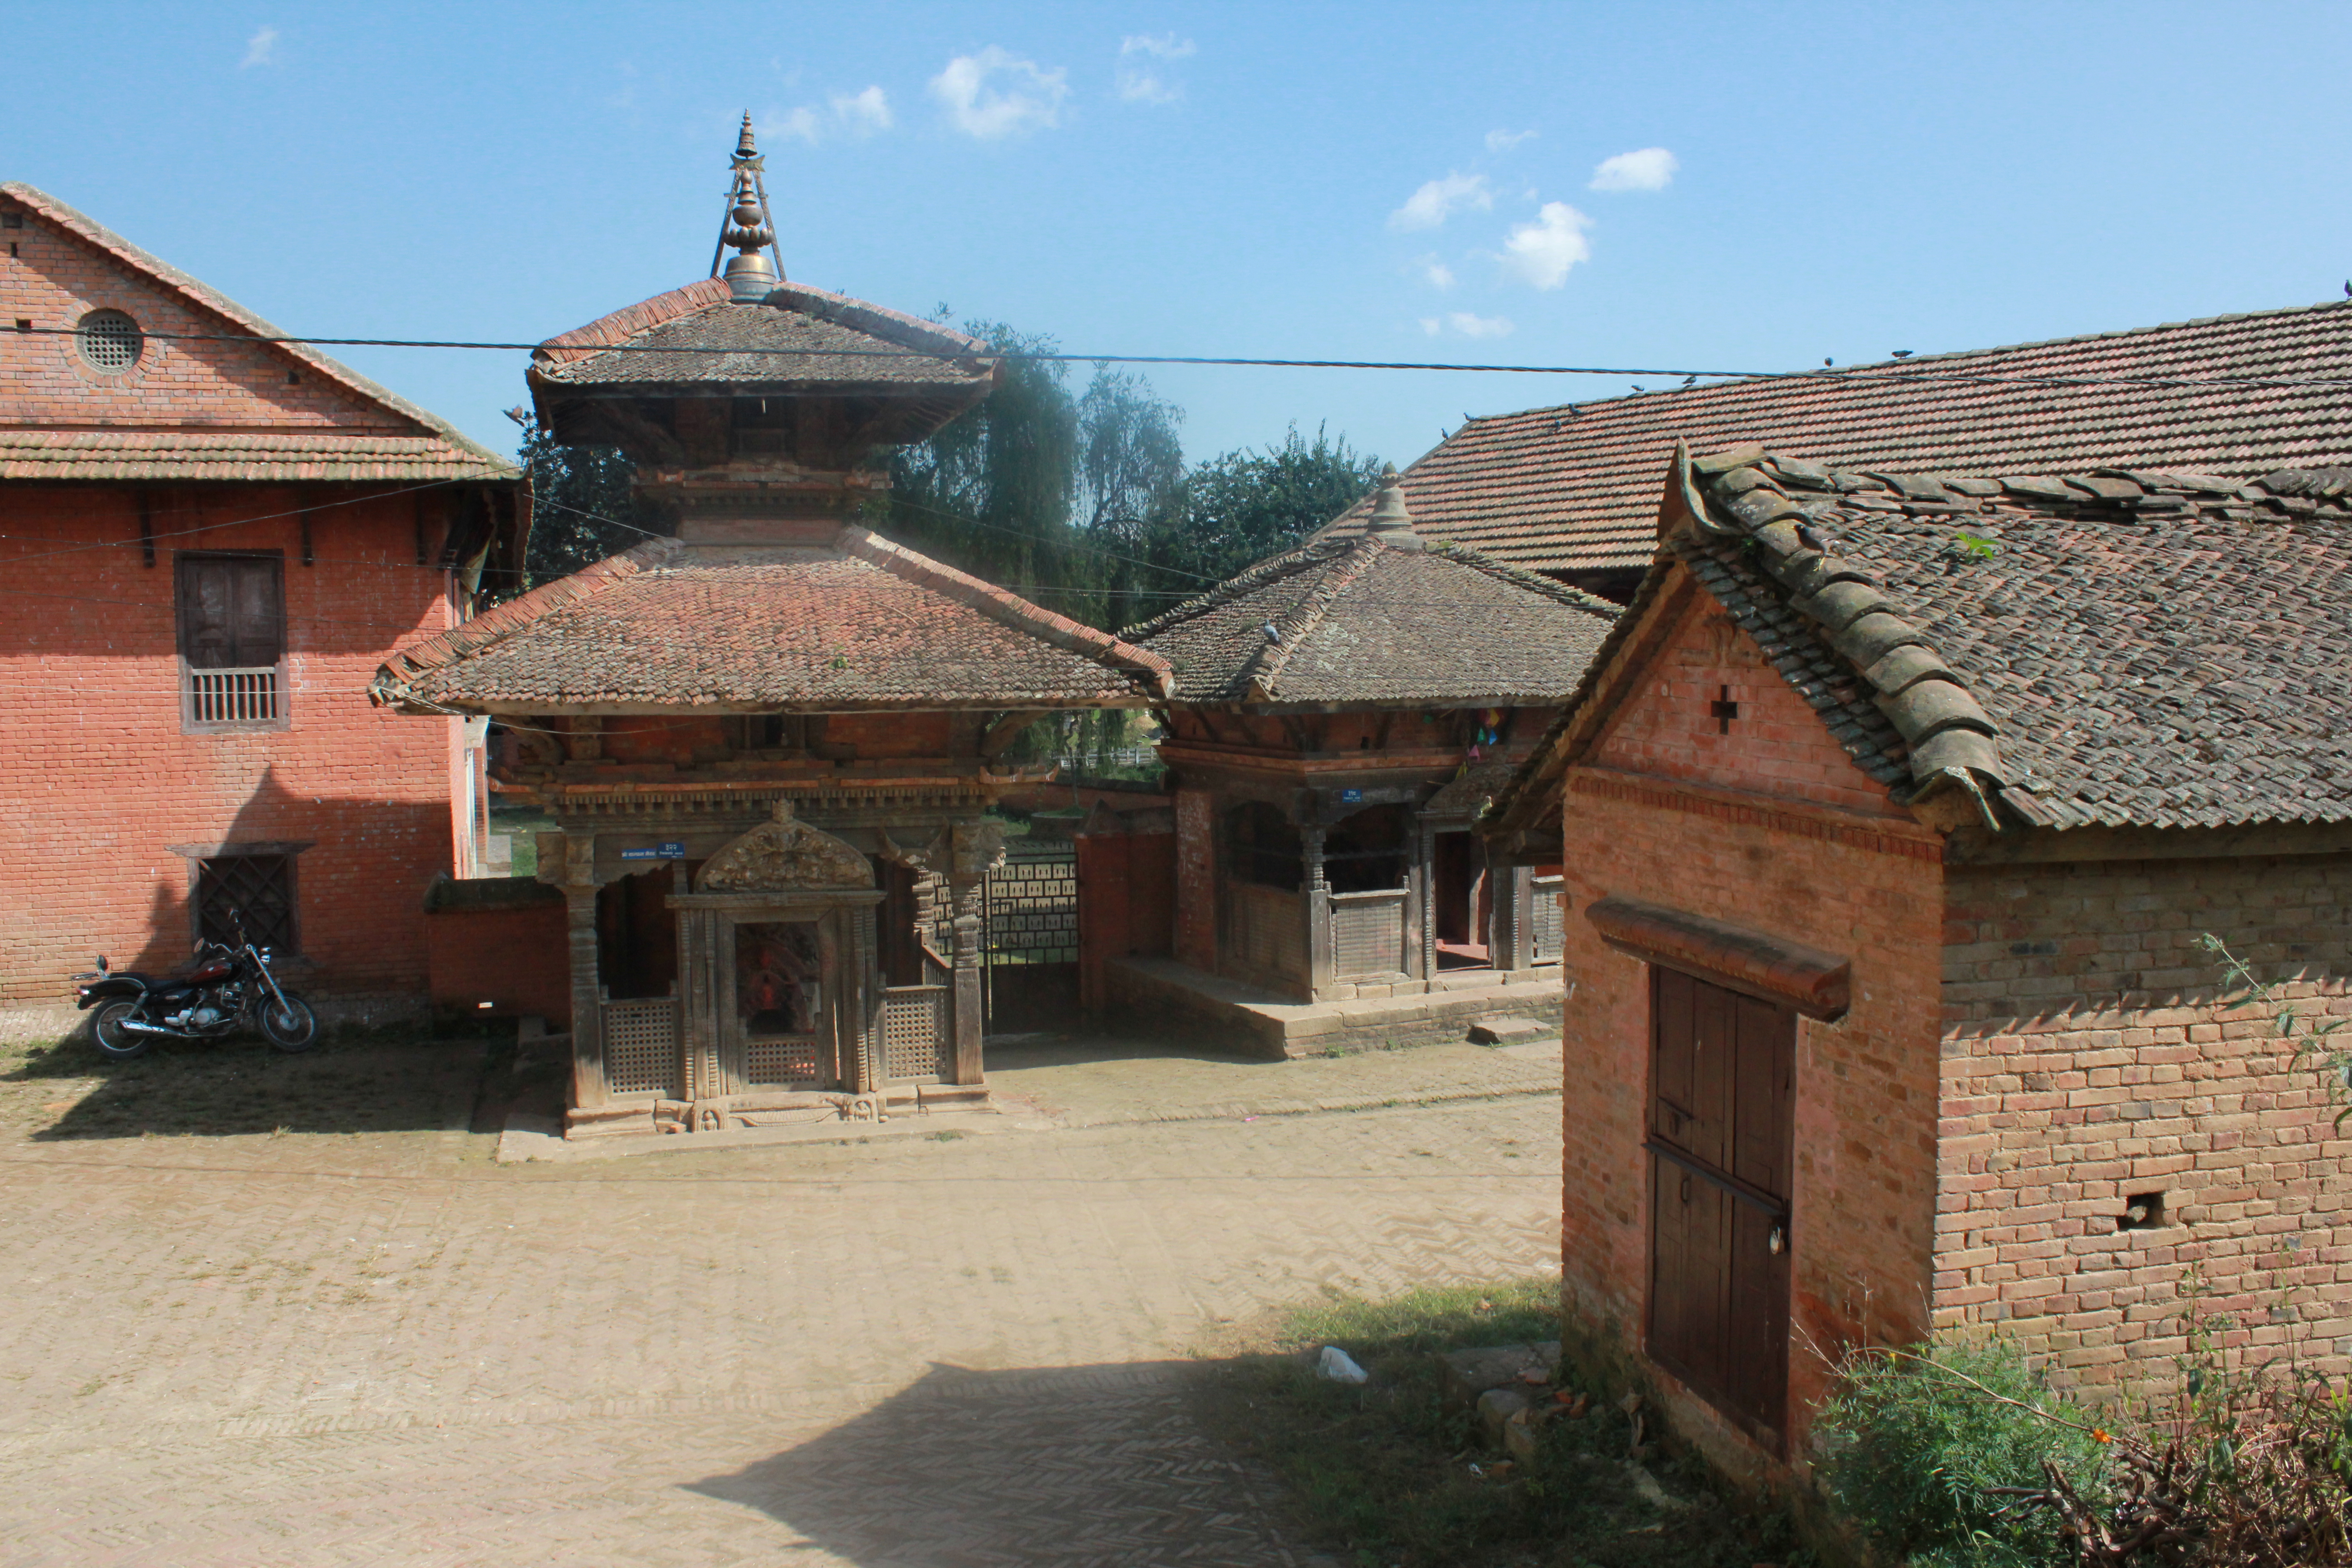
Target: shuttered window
[(232, 615)]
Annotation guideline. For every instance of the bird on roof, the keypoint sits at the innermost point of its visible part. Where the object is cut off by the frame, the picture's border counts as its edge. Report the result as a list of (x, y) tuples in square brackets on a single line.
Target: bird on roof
[(1688, 380), (2347, 288), (1272, 633), (1902, 353), (1828, 362)]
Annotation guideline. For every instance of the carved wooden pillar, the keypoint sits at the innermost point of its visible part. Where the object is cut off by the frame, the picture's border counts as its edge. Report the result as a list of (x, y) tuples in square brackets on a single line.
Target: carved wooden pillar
[(1420, 913), (1514, 916), (587, 998), (979, 847), (1321, 969), (864, 978)]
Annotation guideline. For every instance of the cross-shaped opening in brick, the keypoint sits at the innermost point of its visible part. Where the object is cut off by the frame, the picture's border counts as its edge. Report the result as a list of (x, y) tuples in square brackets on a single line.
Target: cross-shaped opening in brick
[(1723, 710)]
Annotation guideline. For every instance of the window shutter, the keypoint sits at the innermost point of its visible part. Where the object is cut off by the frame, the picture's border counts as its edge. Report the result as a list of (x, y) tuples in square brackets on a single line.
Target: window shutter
[(231, 615)]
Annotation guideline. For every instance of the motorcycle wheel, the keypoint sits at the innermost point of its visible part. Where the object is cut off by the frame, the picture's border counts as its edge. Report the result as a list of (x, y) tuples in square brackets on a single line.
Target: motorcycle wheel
[(290, 1025), (119, 1043)]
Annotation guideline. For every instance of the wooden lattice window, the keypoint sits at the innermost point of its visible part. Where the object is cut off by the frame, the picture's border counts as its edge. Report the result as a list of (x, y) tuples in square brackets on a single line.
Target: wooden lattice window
[(231, 615), (260, 888), (1262, 847)]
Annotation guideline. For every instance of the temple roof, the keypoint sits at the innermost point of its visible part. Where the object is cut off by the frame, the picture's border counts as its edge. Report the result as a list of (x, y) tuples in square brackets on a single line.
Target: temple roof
[(1379, 618), (850, 623), (1575, 487), (2119, 647)]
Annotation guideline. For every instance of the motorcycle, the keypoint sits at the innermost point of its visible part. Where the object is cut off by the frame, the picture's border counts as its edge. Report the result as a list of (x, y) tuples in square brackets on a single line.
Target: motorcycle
[(230, 986)]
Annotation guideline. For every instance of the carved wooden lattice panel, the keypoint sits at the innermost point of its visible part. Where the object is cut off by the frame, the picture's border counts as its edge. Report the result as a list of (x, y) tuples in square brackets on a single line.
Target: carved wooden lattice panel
[(780, 1060), (1546, 937), (1367, 934), (1269, 930), (915, 1038), (641, 1046), (1033, 904)]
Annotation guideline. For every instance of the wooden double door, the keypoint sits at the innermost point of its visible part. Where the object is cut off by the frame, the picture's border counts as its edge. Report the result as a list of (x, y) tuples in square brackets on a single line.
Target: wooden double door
[(1721, 1127)]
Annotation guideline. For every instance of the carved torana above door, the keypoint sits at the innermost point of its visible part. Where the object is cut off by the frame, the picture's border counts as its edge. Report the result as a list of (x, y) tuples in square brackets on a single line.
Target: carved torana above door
[(784, 855)]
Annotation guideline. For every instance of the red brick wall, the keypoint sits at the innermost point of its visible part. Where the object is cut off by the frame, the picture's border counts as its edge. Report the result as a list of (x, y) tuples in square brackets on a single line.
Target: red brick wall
[(1776, 745), (1861, 884), (55, 279), (1127, 895), (101, 780), (2086, 1060), (517, 960)]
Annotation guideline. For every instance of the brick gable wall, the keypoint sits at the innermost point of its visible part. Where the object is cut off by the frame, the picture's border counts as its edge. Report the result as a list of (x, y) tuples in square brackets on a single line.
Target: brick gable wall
[(1776, 746), (101, 779), (56, 277), (2085, 1060), (1864, 883)]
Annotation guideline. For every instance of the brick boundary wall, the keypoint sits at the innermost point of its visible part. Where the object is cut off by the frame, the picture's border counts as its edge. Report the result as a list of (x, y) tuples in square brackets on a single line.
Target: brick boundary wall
[(2127, 1077)]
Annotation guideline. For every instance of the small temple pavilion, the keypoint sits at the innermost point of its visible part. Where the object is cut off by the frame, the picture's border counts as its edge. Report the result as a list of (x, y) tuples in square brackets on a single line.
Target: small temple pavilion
[(1342, 715), (768, 743)]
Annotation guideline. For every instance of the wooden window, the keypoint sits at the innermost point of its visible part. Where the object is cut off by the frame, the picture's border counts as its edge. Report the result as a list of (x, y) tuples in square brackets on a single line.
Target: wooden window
[(1722, 1122), (231, 615), (258, 887), (1263, 847)]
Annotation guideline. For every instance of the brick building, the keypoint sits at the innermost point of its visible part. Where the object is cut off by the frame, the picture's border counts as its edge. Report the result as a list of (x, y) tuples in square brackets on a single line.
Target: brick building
[(769, 744), (1342, 711), (210, 543), (1571, 490), (1893, 816)]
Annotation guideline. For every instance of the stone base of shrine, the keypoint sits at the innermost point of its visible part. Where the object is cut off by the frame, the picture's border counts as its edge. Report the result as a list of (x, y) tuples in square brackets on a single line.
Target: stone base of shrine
[(1160, 996), (819, 1113)]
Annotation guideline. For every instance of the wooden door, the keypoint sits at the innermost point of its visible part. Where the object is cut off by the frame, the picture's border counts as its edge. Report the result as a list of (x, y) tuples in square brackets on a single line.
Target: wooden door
[(1722, 1123)]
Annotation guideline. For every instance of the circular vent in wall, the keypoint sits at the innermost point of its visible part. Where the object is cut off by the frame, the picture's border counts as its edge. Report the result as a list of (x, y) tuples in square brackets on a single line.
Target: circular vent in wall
[(110, 341)]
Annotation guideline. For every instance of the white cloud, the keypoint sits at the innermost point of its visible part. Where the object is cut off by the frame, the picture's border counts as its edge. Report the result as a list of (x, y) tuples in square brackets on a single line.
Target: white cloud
[(1440, 199), (1140, 80), (1650, 169), (994, 94), (1471, 326), (1462, 323), (261, 49), (1504, 140), (1435, 273), (853, 114), (1541, 253), (863, 113)]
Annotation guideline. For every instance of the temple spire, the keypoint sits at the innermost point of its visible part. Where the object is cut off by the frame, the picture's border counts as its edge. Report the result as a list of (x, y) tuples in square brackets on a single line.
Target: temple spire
[(747, 226), (1391, 523)]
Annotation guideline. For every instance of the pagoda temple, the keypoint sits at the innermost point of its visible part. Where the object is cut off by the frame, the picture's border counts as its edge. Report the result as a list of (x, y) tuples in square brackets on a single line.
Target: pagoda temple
[(770, 743)]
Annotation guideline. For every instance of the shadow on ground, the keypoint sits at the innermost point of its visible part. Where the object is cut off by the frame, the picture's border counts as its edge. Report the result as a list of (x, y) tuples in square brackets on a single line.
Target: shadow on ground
[(384, 1080), (1059, 1466), (1059, 1049)]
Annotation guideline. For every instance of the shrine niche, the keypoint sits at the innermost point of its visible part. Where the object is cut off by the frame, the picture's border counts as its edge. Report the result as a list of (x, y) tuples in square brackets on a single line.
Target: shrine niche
[(785, 855)]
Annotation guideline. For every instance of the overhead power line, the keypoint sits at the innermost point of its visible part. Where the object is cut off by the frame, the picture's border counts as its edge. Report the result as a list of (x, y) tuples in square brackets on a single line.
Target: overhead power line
[(1910, 374)]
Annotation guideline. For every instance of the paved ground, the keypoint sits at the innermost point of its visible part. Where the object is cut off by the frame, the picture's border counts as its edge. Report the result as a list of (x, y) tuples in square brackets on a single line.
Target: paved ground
[(361, 1341)]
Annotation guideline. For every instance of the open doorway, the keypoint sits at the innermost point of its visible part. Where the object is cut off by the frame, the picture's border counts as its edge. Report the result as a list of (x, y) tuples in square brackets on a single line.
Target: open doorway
[(1461, 901), (636, 935)]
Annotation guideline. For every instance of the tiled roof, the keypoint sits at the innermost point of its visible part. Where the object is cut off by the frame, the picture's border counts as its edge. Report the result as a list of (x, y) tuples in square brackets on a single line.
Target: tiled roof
[(862, 624), (1576, 487), (438, 451), (796, 337), (2128, 648), (320, 457), (1359, 620)]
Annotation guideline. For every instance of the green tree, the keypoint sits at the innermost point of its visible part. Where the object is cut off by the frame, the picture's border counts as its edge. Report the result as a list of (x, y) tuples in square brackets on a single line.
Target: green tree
[(1242, 506), (582, 507)]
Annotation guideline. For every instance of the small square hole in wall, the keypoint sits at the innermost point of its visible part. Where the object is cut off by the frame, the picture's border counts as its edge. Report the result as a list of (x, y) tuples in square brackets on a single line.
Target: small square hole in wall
[(12, 220), (23, 324), (291, 379), (2142, 1211)]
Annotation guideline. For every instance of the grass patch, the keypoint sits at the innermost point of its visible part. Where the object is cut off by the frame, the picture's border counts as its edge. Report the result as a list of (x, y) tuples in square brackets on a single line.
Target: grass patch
[(1394, 1474)]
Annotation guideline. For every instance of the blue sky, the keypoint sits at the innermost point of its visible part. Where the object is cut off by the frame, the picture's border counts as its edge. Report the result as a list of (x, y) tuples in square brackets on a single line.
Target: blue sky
[(1361, 182)]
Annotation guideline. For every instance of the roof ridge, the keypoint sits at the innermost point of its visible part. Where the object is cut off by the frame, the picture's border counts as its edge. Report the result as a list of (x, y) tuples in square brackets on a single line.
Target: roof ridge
[(1265, 664), (1274, 567), (1518, 577), (1061, 631), (619, 326), (391, 685), (211, 298)]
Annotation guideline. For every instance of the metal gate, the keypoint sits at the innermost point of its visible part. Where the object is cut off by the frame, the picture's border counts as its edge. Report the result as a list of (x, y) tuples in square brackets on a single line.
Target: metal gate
[(1029, 938)]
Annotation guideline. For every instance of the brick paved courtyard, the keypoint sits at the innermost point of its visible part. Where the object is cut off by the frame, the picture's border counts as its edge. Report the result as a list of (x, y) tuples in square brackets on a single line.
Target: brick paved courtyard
[(337, 1347)]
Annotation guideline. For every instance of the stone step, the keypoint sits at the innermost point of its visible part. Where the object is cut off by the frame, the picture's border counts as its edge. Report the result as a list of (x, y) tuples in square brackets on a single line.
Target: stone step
[(1510, 1031)]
